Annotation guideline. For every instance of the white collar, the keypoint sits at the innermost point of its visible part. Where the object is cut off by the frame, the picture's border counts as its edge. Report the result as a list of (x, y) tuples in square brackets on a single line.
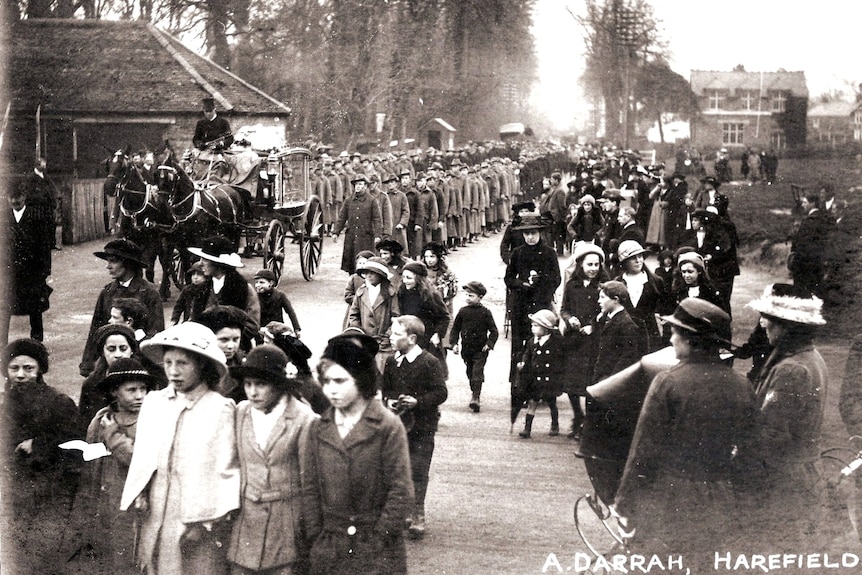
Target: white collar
[(543, 339), (373, 291), (615, 312), (263, 423), (218, 283), (18, 213), (126, 284), (410, 356)]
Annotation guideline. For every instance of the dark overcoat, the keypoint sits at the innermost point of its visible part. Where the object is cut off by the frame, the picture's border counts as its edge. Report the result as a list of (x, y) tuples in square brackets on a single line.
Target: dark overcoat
[(678, 480), (362, 223), (544, 368), (360, 494), (582, 302), (30, 259)]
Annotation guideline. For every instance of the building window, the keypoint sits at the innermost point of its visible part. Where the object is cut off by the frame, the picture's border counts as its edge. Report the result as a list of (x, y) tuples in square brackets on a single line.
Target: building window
[(776, 139), (716, 99), (779, 101), (731, 133), (749, 99)]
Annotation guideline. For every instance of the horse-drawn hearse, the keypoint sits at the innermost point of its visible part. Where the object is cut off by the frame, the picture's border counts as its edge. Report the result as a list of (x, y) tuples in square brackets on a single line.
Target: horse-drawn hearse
[(264, 197)]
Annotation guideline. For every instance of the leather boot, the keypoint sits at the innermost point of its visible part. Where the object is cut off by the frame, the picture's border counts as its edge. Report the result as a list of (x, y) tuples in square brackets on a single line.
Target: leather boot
[(528, 428), (555, 419), (417, 526)]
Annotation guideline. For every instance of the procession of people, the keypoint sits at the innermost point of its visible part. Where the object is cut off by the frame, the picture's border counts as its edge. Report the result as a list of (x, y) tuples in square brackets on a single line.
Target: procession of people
[(230, 454)]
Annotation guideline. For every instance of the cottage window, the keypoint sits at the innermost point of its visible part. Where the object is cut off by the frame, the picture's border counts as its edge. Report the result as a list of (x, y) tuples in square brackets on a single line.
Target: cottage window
[(716, 99), (732, 132)]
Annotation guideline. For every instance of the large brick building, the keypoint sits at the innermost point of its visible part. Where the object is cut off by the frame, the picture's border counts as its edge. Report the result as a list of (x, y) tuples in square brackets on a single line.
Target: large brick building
[(742, 108)]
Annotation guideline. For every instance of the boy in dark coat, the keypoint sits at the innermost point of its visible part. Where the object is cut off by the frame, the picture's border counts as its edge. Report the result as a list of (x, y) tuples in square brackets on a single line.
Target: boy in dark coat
[(474, 326), (413, 382), (542, 367), (273, 302), (192, 301), (608, 429)]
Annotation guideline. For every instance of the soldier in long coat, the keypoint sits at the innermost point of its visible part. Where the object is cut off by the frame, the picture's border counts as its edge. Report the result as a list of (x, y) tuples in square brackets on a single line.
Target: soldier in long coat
[(361, 221), (400, 209), (430, 217)]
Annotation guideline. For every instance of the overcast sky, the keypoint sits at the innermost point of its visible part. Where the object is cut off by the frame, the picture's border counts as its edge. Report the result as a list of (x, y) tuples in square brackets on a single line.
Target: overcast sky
[(821, 38)]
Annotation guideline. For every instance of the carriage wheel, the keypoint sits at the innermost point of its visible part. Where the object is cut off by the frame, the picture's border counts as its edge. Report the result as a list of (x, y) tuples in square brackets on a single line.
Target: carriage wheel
[(595, 526), (179, 268), (311, 239), (273, 248)]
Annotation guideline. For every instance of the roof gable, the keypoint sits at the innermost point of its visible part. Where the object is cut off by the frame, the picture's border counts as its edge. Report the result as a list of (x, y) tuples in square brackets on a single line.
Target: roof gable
[(794, 82), (105, 67)]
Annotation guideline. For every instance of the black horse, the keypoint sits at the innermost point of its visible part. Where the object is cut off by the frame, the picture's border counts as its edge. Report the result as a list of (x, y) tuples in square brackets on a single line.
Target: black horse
[(145, 216), (200, 210)]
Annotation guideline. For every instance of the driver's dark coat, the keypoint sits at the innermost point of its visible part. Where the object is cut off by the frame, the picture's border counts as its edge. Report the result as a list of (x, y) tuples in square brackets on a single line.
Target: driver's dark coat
[(209, 130)]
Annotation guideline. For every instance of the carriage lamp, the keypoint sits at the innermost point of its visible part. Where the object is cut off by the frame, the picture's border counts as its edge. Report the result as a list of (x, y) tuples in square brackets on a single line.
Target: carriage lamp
[(272, 165)]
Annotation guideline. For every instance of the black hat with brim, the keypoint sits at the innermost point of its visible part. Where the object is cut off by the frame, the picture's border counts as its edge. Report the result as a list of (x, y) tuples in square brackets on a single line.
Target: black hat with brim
[(122, 248), (530, 223), (126, 369), (389, 245), (266, 362)]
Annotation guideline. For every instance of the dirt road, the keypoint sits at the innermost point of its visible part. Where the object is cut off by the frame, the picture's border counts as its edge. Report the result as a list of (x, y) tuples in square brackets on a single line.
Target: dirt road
[(496, 504)]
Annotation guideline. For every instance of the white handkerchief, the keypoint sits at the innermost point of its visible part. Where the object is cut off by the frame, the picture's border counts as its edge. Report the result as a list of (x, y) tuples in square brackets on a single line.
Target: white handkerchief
[(90, 451)]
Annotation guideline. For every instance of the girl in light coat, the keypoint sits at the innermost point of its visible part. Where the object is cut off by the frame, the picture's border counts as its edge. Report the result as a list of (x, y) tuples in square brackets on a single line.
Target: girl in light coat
[(271, 435)]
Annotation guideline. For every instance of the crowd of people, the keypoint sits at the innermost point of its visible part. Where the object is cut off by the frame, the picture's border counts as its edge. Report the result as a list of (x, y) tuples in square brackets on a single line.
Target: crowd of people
[(224, 451)]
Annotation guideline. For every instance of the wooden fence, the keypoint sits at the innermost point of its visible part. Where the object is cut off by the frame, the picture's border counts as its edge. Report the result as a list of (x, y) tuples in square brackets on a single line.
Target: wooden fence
[(88, 212)]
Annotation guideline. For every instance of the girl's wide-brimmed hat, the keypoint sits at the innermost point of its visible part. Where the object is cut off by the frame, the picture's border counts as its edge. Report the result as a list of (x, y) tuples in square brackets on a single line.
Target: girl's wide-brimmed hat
[(629, 249), (530, 223), (583, 248), (790, 303), (126, 369), (189, 336), (219, 250), (375, 265), (698, 316), (122, 248)]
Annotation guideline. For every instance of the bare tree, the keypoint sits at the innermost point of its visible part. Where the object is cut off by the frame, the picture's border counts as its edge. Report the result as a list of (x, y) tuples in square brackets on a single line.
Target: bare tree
[(620, 36)]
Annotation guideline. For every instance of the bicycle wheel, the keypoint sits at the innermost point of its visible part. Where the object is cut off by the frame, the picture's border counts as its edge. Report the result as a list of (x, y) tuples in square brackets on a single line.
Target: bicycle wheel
[(595, 526)]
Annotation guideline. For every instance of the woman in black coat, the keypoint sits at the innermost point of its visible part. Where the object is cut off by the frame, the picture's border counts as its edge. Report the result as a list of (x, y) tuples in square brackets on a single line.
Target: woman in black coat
[(578, 313)]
